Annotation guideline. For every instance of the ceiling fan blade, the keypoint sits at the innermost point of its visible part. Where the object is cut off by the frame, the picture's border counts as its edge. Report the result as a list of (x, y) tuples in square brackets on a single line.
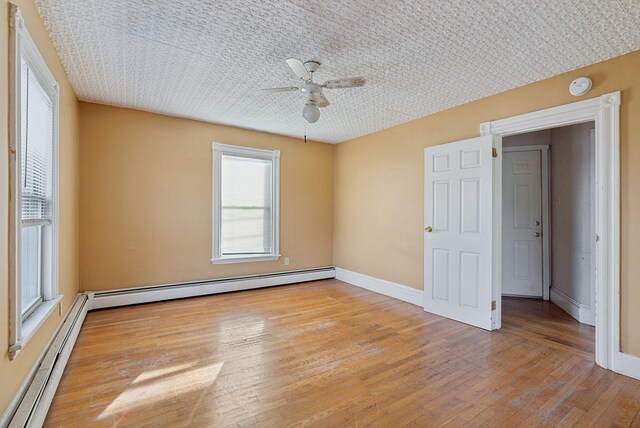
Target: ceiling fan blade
[(349, 82), (299, 69), (322, 101), (287, 89)]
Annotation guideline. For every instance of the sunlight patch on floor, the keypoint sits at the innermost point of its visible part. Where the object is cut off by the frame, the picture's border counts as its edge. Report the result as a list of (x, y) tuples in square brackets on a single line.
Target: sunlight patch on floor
[(163, 384)]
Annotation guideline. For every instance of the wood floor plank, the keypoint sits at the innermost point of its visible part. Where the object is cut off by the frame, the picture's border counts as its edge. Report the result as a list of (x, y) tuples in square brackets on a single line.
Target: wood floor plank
[(571, 418), (329, 354)]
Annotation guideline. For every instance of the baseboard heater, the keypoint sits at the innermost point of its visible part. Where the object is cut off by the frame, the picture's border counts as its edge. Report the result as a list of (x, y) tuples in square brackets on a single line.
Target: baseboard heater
[(155, 293), (33, 401)]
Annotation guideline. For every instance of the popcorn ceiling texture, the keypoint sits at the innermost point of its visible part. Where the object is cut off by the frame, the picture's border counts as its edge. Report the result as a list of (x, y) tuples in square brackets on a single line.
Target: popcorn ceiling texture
[(207, 60)]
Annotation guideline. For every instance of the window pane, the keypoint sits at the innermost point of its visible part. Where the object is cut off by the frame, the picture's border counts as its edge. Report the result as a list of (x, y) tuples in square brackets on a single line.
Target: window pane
[(246, 205), (30, 253)]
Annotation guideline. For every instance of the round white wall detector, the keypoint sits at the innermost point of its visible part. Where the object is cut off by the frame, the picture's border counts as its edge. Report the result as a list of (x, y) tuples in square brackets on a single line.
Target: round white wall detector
[(580, 86)]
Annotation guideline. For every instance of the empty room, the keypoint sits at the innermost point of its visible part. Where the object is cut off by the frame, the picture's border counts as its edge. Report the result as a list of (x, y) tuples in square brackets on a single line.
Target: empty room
[(289, 213)]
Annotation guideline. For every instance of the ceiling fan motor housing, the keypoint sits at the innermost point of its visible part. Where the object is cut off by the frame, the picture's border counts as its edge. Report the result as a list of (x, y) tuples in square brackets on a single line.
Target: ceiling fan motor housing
[(311, 88), (311, 65)]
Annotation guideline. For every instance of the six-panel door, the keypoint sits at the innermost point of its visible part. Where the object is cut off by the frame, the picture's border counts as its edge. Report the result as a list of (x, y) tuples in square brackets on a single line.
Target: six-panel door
[(522, 224), (458, 230)]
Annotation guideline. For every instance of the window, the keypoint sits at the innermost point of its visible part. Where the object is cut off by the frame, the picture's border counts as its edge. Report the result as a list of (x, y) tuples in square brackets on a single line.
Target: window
[(33, 140), (35, 153), (245, 204)]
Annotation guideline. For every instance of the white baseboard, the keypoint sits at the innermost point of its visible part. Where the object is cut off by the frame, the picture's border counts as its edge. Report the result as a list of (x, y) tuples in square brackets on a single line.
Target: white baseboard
[(133, 296), (32, 402), (582, 313), (381, 286), (626, 364)]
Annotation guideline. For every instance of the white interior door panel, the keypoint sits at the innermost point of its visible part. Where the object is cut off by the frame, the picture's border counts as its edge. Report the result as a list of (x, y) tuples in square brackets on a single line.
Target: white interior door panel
[(522, 224), (458, 237)]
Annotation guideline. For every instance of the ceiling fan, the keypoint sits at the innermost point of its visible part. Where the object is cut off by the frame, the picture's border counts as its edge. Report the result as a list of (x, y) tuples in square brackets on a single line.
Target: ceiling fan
[(315, 97)]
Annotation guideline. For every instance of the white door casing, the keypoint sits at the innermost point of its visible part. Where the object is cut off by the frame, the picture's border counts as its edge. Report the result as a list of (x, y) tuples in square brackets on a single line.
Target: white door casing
[(458, 236), (522, 224), (605, 111)]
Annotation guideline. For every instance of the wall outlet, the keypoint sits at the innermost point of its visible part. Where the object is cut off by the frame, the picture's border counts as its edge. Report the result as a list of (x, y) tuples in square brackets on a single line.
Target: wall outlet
[(286, 261)]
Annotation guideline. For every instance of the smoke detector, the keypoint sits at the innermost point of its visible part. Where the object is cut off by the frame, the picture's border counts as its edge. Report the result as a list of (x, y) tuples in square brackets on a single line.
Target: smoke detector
[(580, 86)]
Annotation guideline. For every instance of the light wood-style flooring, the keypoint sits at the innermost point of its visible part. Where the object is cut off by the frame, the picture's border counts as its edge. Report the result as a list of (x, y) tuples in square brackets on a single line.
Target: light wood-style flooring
[(330, 354)]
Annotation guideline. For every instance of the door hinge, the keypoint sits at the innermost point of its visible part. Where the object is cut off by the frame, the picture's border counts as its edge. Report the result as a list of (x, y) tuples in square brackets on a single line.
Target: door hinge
[(493, 305), (494, 152)]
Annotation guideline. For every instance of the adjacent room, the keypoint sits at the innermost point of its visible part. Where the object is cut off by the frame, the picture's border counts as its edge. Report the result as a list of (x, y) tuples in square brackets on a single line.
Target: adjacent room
[(287, 213), (548, 226)]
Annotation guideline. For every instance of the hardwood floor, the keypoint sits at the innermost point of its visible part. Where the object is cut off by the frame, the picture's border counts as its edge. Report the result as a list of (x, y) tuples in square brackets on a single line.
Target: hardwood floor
[(330, 354)]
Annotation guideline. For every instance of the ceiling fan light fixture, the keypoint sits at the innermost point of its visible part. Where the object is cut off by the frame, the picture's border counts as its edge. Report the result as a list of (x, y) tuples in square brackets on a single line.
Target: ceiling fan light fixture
[(311, 112), (315, 98)]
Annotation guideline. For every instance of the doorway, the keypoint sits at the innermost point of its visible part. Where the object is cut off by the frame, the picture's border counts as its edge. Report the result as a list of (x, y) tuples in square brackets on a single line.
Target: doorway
[(463, 234), (548, 213)]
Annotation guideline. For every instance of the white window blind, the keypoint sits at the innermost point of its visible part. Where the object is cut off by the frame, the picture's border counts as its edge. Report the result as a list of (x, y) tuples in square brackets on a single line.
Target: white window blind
[(246, 205), (36, 148)]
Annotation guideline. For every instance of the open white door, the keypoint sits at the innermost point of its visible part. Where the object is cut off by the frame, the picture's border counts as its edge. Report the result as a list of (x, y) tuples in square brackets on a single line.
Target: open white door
[(459, 217)]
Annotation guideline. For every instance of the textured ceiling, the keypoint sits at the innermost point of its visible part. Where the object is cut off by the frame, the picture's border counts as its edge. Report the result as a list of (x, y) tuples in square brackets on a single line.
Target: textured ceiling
[(208, 59)]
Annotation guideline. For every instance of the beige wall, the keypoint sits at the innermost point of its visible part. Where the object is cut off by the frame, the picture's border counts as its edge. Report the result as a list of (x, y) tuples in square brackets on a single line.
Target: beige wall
[(145, 204), (379, 180), (12, 373)]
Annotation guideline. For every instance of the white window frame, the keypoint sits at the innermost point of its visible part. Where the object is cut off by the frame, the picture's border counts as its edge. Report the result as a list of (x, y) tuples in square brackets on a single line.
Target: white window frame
[(21, 329), (272, 155)]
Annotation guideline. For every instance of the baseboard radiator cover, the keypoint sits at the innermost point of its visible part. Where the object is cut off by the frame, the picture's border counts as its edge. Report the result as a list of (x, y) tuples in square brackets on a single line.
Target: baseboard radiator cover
[(32, 402), (156, 293)]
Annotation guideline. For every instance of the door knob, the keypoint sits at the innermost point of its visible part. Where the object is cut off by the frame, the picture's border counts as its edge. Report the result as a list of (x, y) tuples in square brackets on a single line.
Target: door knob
[(536, 223), (536, 234), (428, 229)]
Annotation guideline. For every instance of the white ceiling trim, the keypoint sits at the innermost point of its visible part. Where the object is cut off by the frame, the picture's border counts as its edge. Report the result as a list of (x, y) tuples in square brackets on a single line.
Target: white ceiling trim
[(208, 60)]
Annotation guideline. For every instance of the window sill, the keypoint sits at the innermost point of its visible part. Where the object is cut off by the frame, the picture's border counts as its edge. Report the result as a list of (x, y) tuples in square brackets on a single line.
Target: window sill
[(244, 259), (33, 322)]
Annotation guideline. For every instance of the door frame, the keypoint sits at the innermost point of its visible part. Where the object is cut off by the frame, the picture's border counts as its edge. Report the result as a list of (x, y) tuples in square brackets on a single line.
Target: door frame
[(546, 213), (605, 112)]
